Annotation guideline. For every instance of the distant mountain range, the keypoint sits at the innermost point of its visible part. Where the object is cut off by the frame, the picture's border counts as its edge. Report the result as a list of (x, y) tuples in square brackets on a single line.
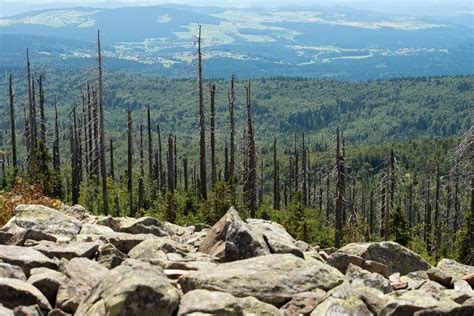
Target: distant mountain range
[(311, 41)]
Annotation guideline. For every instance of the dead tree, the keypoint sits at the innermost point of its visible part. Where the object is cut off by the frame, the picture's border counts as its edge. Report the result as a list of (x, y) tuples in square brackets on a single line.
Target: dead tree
[(340, 190), (202, 127), (112, 165), (175, 162), (427, 226), (103, 170), (130, 161), (160, 172), (296, 165), (170, 164), (31, 108), (383, 208), (226, 162), (186, 175), (231, 97), (437, 213), (75, 181), (141, 189), (41, 107), (276, 180), (12, 122), (250, 184), (150, 146), (304, 171), (212, 92), (56, 152)]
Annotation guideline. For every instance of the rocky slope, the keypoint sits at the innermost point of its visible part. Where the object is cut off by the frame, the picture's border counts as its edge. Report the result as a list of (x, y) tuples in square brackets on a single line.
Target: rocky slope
[(71, 262)]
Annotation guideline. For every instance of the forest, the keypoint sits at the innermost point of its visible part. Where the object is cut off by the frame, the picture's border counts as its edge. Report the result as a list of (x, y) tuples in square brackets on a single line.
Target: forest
[(333, 162)]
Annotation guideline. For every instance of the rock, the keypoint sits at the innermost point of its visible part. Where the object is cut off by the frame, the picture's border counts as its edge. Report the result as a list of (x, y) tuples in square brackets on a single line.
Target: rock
[(76, 211), (94, 229), (147, 247), (30, 234), (341, 260), (46, 219), (15, 293), (231, 239), (454, 269), (272, 279), (377, 267), (462, 285), (350, 300), (32, 310), (83, 274), (57, 312), (276, 237), (137, 290), (396, 257), (125, 242), (469, 279), (439, 276), (303, 303), (414, 279), (203, 302), (408, 302), (359, 277), (69, 251), (142, 225), (174, 274), (431, 287), (5, 311), (313, 255), (48, 282), (5, 237), (109, 256), (457, 296), (150, 255), (26, 258), (11, 271)]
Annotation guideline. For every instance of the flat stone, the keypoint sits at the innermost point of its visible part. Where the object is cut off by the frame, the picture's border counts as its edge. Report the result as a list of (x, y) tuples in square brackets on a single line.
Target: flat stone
[(68, 251), (203, 302), (109, 256), (94, 229), (14, 292), (32, 310), (454, 269), (142, 225), (11, 271), (125, 241), (30, 234), (376, 267), (26, 258), (48, 282), (303, 303), (341, 260), (439, 276), (357, 276), (272, 279)]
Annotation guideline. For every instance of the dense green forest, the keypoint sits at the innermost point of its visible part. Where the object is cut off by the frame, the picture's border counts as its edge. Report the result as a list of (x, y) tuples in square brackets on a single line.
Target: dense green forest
[(332, 161)]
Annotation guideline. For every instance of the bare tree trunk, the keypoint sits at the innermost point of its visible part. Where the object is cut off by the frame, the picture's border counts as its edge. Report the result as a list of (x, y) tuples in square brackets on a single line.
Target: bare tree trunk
[(141, 191), (85, 127), (304, 173), (170, 164), (41, 105), (12, 122), (202, 127), (186, 176), (383, 208), (437, 215), (160, 161), (112, 165), (232, 128), (130, 162), (251, 181), (371, 213), (175, 162), (150, 146), (276, 182), (212, 91), (103, 168), (31, 108), (428, 228), (226, 162), (340, 190)]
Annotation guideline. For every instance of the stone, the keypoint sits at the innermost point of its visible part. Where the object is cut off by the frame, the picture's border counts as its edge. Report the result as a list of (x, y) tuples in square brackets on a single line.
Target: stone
[(142, 225), (469, 279), (26, 258), (303, 303), (30, 234), (147, 247), (409, 302), (14, 292), (137, 290), (77, 211), (272, 279), (350, 300), (462, 285), (439, 276), (231, 239), (313, 255), (377, 267), (109, 256), (277, 238), (454, 269), (57, 312), (125, 242), (357, 276), (94, 229), (396, 257), (5, 311), (32, 310), (457, 296), (46, 219), (82, 275), (11, 271), (68, 251), (48, 282), (203, 302), (341, 260), (414, 279), (5, 237)]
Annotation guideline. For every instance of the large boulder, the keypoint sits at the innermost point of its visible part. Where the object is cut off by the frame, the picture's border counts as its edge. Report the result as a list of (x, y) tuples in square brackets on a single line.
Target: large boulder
[(142, 225), (14, 292), (231, 239), (396, 257), (140, 289), (360, 277), (272, 279), (276, 237), (48, 282), (454, 269), (46, 219), (30, 234), (11, 271), (26, 258), (199, 302), (68, 251), (83, 274)]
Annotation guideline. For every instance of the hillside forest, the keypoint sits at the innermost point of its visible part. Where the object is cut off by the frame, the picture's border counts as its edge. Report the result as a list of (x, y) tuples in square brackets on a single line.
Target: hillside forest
[(334, 162)]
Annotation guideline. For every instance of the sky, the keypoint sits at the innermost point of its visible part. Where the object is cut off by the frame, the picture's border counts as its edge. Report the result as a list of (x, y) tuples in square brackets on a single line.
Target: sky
[(429, 7)]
